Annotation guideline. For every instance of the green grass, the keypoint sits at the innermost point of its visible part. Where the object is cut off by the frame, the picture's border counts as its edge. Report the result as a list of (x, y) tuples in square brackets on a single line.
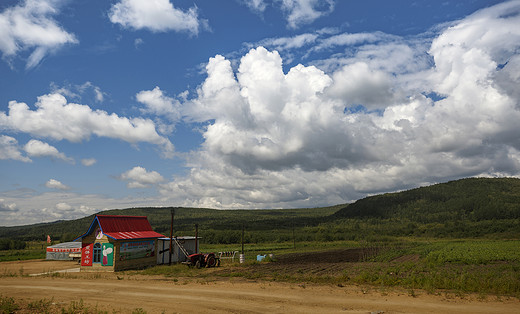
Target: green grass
[(34, 250), (476, 252), (462, 266), (10, 305)]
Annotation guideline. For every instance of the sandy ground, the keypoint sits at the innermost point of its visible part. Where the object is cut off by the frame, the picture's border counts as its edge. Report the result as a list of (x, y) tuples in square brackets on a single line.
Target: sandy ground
[(125, 293)]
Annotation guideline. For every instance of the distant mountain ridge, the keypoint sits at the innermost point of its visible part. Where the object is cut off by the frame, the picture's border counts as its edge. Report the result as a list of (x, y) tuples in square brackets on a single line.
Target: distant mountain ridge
[(455, 208)]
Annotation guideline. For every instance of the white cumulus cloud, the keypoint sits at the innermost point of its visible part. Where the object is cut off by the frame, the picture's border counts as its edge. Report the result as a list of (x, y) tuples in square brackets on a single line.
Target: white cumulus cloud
[(87, 162), (64, 207), (159, 104), (36, 148), (30, 26), (375, 123), (55, 184), (156, 16), (77, 91), (7, 207), (55, 118), (9, 149), (139, 177)]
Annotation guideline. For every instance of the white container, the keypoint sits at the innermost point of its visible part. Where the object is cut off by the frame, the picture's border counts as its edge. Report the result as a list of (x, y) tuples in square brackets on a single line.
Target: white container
[(242, 258)]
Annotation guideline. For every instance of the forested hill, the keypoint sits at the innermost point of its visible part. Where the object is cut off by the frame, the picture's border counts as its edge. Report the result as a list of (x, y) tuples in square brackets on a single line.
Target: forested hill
[(474, 207), (225, 225), (473, 199)]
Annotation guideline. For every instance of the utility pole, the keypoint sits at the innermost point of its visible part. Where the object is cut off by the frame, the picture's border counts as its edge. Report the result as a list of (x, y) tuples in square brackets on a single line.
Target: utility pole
[(293, 237), (171, 237), (196, 238), (243, 255), (243, 230)]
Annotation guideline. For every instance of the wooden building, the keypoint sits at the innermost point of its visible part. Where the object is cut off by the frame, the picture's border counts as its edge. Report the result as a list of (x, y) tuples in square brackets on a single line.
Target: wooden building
[(114, 243)]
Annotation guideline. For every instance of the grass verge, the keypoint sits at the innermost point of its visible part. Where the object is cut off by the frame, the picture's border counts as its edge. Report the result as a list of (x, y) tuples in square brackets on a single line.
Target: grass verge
[(10, 305)]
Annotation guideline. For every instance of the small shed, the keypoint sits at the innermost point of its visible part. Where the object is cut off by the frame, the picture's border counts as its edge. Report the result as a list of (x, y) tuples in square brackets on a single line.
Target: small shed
[(190, 244), (65, 251), (114, 243)]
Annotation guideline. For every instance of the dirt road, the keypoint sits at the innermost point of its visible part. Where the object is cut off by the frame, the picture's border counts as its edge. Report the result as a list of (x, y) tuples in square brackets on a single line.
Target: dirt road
[(125, 293), (158, 296)]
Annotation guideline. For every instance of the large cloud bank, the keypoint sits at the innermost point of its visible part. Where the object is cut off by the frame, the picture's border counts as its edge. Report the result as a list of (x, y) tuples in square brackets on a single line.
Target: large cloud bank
[(57, 119), (387, 116), (367, 113)]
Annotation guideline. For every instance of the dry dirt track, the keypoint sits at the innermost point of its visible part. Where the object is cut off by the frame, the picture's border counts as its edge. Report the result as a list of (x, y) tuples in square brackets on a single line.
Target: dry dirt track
[(157, 295)]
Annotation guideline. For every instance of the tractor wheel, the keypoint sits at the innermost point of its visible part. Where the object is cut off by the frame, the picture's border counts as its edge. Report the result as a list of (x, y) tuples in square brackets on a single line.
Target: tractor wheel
[(211, 262)]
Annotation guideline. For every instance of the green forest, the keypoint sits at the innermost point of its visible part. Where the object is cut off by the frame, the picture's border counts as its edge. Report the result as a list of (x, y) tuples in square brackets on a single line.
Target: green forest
[(466, 208)]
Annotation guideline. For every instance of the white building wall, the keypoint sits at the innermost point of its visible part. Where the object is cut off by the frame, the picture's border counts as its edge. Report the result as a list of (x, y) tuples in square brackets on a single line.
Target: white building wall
[(163, 249)]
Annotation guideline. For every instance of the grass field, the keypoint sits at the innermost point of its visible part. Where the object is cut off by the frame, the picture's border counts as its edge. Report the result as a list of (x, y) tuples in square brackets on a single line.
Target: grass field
[(486, 267), (10, 305), (34, 250)]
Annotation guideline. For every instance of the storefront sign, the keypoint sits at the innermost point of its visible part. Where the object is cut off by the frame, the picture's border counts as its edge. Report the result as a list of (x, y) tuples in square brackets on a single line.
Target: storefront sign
[(86, 254), (74, 250)]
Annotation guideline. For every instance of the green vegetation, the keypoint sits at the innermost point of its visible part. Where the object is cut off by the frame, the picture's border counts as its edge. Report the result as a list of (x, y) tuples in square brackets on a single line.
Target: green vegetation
[(32, 250), (490, 267), (468, 208), (485, 267), (476, 252), (9, 244), (456, 236), (9, 305)]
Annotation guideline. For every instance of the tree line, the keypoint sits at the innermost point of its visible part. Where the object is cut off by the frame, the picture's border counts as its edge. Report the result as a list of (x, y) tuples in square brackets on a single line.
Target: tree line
[(467, 208)]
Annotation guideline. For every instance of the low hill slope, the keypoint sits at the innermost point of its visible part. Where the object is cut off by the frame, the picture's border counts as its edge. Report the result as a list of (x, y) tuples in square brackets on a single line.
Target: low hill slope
[(474, 207), (210, 221), (473, 199)]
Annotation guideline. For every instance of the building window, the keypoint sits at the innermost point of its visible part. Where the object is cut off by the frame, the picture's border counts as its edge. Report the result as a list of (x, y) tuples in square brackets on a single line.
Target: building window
[(97, 253)]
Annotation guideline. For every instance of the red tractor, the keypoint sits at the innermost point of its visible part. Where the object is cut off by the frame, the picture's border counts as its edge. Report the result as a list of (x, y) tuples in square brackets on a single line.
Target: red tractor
[(202, 260)]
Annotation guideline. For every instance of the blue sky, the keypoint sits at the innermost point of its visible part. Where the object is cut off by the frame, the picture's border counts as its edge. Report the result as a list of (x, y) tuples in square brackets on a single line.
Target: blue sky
[(249, 104)]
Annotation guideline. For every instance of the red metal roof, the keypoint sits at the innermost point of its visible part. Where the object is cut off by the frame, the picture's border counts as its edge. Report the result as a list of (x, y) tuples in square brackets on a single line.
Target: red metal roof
[(133, 235), (113, 223), (124, 227)]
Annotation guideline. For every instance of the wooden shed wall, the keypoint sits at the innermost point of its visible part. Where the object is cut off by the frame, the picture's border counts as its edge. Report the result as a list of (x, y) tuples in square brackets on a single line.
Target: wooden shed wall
[(133, 263), (89, 239)]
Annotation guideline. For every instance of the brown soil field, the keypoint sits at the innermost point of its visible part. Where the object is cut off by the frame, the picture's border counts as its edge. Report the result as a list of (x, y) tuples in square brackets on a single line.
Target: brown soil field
[(125, 292), (326, 263)]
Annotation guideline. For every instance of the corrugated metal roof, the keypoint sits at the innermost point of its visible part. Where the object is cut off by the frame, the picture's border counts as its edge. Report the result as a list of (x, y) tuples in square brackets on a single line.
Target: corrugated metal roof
[(66, 245), (113, 223), (134, 235), (124, 227), (181, 238)]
